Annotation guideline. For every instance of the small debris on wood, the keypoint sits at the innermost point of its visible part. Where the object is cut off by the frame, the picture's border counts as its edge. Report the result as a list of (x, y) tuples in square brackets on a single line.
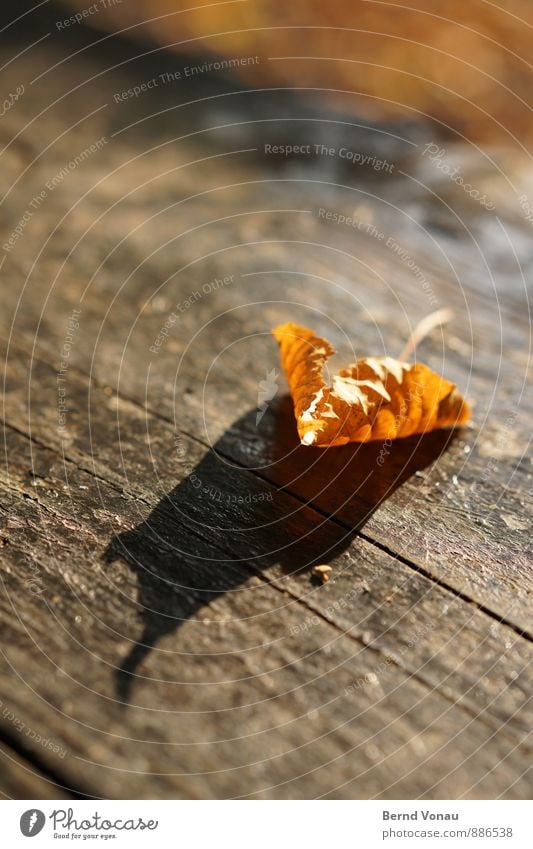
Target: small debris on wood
[(322, 572)]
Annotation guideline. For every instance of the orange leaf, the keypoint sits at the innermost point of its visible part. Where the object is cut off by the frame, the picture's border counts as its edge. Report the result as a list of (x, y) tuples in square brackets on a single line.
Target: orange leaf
[(374, 398)]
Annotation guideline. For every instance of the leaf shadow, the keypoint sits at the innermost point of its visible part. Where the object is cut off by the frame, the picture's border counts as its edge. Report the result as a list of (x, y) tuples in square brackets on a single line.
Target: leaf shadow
[(221, 524)]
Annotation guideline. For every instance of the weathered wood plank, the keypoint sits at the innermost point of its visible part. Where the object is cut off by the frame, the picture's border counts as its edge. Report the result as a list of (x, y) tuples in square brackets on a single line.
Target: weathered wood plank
[(337, 738), (253, 680)]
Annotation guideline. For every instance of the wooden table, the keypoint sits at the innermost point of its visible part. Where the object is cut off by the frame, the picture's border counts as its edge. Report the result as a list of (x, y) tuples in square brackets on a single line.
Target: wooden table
[(163, 636)]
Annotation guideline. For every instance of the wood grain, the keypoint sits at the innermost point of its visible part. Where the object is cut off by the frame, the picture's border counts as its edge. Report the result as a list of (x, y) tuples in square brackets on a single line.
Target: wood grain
[(162, 624)]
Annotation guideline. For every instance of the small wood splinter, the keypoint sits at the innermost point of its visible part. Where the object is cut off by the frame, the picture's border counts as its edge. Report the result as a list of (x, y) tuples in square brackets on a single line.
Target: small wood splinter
[(373, 398), (322, 572)]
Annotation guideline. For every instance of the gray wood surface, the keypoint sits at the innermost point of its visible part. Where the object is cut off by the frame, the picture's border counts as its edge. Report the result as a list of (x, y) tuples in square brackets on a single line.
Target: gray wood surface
[(163, 635)]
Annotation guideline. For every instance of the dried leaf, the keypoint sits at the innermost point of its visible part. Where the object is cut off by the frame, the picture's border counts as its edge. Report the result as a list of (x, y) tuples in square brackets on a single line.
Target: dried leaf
[(322, 572), (373, 398)]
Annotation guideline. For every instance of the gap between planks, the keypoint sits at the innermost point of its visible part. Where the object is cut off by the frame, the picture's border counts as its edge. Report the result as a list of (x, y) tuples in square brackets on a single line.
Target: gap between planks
[(41, 357)]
